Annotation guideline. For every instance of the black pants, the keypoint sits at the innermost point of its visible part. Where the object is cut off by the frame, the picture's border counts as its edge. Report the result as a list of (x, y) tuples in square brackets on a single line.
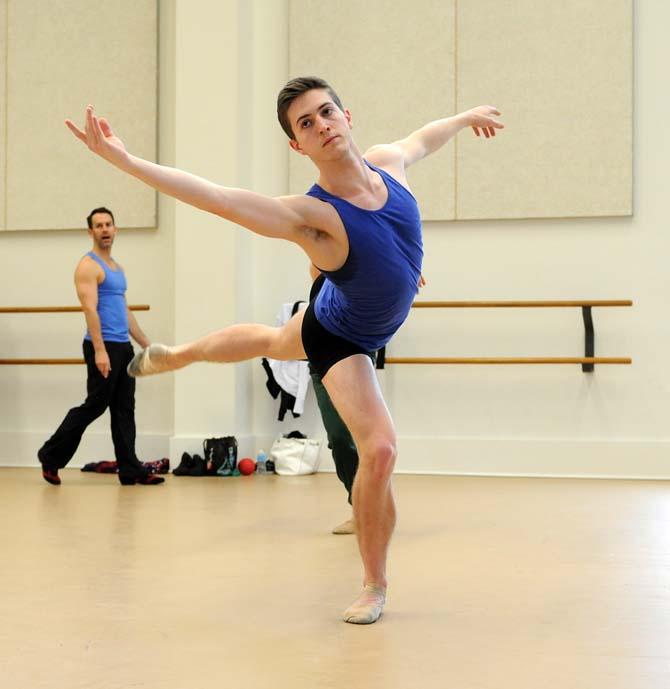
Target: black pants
[(340, 441), (116, 392)]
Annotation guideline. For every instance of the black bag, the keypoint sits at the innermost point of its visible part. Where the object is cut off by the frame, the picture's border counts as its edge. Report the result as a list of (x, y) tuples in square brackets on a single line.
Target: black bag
[(220, 455)]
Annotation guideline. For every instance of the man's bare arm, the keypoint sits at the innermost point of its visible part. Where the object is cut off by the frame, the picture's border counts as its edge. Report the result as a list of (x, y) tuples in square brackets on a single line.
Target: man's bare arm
[(135, 331), (86, 284), (432, 136), (272, 217)]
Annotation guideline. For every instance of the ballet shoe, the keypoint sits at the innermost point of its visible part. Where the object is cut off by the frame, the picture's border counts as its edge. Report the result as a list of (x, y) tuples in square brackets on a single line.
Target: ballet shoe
[(346, 527), (368, 607), (149, 361)]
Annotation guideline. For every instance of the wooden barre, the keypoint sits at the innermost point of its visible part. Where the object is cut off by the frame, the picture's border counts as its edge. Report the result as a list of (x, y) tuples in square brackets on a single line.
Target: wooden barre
[(40, 362), (515, 304), (59, 309), (508, 360), (401, 360)]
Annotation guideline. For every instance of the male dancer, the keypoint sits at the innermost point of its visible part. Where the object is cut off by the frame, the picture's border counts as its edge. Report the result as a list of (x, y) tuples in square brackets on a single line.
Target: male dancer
[(360, 226), (101, 288)]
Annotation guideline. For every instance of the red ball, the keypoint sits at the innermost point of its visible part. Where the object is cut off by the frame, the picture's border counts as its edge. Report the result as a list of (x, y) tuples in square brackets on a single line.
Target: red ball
[(246, 466)]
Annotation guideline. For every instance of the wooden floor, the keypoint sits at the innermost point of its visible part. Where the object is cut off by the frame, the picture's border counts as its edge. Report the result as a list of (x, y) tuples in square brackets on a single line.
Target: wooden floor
[(207, 582)]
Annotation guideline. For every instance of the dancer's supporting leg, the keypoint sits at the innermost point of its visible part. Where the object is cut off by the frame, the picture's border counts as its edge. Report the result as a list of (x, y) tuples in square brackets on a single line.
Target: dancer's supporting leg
[(353, 387), (341, 445), (235, 343)]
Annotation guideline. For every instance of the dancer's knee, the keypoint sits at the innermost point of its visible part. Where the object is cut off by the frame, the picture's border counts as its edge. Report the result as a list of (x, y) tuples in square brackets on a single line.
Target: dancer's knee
[(379, 458)]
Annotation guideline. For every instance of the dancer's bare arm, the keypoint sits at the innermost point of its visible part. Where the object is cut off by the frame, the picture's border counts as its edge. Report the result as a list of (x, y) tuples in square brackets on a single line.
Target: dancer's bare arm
[(432, 136), (299, 219), (86, 284)]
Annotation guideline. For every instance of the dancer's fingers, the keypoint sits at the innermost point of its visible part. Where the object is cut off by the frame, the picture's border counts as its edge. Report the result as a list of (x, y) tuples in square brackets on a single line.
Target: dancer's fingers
[(75, 130)]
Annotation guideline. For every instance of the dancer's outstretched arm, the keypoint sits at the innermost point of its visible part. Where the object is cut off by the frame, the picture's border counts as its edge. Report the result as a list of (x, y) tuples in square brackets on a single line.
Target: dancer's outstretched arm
[(432, 136), (289, 217)]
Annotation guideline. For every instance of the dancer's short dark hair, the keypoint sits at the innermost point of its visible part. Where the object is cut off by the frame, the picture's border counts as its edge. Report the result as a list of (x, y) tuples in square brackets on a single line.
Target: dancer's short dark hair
[(294, 88)]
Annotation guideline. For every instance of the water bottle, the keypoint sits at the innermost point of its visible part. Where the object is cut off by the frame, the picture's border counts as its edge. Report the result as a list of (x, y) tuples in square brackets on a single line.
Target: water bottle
[(261, 466)]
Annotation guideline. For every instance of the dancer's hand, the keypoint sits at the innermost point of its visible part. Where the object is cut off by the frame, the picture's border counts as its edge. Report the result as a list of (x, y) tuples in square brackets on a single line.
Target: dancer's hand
[(103, 363), (480, 118), (100, 138), (422, 281)]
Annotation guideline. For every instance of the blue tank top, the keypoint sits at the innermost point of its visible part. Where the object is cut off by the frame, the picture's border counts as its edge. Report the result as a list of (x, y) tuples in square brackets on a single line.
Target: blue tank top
[(111, 304), (368, 298)]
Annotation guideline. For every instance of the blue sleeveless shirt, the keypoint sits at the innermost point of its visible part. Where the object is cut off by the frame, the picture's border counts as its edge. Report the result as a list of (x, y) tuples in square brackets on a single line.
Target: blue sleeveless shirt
[(369, 297), (111, 304)]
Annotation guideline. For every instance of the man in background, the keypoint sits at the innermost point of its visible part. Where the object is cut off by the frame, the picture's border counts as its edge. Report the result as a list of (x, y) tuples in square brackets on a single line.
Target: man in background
[(101, 288)]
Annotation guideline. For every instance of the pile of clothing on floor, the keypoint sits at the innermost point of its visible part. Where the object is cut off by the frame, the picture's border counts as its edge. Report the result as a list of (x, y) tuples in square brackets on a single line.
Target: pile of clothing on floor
[(158, 466)]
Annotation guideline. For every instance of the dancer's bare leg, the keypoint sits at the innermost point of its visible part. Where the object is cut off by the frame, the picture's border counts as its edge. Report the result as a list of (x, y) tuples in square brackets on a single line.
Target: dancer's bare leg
[(353, 388), (235, 343)]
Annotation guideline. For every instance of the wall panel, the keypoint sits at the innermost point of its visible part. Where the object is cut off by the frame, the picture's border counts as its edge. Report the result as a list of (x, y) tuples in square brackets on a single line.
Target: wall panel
[(63, 54), (561, 73)]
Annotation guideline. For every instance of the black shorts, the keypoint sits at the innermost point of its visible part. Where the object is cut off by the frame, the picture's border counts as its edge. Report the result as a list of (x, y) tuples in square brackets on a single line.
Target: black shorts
[(324, 349)]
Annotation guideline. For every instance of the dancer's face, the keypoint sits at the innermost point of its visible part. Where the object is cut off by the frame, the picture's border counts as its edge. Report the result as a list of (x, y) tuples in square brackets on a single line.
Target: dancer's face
[(103, 230), (322, 131)]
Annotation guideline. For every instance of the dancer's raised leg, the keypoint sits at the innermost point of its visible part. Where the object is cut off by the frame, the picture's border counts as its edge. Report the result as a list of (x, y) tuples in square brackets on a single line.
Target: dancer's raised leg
[(235, 343)]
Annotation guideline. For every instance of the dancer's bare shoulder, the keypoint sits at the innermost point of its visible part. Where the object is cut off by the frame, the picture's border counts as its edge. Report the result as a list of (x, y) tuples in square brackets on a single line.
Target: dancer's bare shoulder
[(390, 158), (87, 269)]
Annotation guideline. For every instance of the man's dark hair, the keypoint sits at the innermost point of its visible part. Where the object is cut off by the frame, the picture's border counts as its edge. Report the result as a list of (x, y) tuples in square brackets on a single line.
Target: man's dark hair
[(102, 209), (294, 88)]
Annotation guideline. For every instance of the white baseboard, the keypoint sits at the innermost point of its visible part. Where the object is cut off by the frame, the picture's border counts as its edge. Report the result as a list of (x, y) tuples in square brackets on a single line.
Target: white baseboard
[(599, 458), (622, 459)]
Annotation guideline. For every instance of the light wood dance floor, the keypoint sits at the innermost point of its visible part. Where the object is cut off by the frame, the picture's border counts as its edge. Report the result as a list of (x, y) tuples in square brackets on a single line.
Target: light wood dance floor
[(237, 582)]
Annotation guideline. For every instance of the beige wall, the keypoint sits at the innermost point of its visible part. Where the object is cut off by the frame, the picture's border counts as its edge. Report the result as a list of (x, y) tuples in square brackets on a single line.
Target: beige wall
[(549, 67), (532, 420)]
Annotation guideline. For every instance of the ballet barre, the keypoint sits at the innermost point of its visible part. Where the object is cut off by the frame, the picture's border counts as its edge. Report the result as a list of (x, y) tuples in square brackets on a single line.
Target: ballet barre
[(587, 362), (59, 309), (51, 309)]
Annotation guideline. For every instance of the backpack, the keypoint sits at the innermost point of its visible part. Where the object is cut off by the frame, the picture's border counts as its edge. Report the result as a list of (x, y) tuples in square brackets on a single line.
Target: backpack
[(220, 455)]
